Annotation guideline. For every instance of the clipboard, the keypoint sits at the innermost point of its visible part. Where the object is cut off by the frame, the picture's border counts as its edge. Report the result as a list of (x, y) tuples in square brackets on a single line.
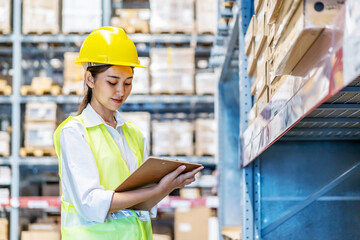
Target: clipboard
[(150, 173)]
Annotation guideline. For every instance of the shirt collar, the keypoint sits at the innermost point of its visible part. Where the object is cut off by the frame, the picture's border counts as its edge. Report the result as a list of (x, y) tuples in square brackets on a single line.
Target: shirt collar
[(92, 118)]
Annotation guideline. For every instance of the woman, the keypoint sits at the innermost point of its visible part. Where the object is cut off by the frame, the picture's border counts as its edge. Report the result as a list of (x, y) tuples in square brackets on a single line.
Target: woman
[(98, 150)]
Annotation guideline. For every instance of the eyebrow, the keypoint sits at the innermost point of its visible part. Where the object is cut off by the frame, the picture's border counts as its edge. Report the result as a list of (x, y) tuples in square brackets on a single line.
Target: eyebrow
[(116, 77)]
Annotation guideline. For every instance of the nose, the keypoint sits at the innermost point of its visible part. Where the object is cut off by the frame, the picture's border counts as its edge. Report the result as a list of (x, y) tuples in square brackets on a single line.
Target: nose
[(120, 89)]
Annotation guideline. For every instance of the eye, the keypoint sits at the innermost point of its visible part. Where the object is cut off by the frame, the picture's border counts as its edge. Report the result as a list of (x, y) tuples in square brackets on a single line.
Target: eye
[(127, 84), (112, 84)]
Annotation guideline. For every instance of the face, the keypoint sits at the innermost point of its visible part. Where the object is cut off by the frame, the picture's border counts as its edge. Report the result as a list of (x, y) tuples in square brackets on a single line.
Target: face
[(111, 87)]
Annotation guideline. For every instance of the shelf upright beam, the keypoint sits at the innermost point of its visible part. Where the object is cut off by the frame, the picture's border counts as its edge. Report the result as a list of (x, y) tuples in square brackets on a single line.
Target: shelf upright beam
[(15, 121), (250, 202), (106, 12)]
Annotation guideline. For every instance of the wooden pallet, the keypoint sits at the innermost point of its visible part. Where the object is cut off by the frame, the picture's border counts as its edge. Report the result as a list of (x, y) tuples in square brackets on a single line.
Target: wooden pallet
[(28, 90), (5, 31), (3, 154), (40, 31), (37, 152)]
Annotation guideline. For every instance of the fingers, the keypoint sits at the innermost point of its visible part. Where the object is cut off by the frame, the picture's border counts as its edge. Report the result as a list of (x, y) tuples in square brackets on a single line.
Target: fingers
[(192, 173)]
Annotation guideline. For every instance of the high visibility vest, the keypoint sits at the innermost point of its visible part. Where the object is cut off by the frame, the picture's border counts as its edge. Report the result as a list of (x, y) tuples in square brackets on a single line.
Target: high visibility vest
[(125, 224)]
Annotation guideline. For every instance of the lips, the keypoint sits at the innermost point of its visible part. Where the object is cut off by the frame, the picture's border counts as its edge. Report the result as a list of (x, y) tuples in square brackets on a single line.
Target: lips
[(116, 100)]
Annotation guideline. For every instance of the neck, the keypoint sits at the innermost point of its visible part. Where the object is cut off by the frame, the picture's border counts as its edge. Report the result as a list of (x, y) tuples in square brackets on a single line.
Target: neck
[(106, 114)]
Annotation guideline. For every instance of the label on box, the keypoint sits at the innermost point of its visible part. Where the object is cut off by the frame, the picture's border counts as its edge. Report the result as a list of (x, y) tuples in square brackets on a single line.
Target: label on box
[(38, 204), (185, 227)]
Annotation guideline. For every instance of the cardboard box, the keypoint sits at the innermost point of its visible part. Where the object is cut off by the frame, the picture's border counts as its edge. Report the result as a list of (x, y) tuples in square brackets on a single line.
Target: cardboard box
[(303, 29), (40, 16), (44, 227), (4, 229), (39, 134), (273, 9), (36, 111), (132, 20), (258, 4), (81, 16), (4, 143), (251, 60), (206, 16), (5, 19), (192, 223), (190, 193), (261, 36), (141, 80), (205, 137), (205, 82), (261, 80), (275, 85), (36, 235), (161, 237), (252, 114), (262, 101), (250, 34), (5, 175)]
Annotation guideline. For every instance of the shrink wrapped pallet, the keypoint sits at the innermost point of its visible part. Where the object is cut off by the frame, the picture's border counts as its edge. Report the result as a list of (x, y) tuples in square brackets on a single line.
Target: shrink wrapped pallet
[(5, 10), (5, 175), (4, 196), (162, 138), (141, 119), (206, 16), (172, 138), (205, 82), (40, 111), (81, 16), (39, 134), (172, 16), (141, 82), (40, 16), (4, 143), (172, 70), (205, 137), (132, 20), (73, 75)]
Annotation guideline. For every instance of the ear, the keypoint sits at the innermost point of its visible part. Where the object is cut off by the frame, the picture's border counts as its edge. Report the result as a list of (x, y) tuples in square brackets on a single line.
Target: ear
[(89, 80)]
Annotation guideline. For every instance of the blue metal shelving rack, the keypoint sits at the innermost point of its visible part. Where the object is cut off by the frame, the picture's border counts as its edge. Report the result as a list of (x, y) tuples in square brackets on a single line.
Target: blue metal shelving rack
[(304, 185)]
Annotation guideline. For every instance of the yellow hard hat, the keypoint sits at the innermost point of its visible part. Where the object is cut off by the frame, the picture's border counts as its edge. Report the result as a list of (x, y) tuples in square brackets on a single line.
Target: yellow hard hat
[(109, 45)]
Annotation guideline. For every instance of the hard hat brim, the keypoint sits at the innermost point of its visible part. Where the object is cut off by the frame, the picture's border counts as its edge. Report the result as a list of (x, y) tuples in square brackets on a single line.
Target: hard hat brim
[(115, 64)]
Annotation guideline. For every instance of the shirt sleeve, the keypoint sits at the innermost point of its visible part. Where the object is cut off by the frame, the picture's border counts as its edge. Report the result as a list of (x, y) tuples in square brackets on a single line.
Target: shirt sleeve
[(153, 211), (80, 176)]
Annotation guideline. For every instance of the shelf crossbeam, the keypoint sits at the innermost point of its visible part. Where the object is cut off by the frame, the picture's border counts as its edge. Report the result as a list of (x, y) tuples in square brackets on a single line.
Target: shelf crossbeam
[(313, 197)]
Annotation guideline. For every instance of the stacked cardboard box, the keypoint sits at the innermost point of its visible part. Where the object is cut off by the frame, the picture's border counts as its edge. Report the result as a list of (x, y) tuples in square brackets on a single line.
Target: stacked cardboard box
[(206, 16), (80, 16), (205, 137), (205, 82), (4, 143), (45, 229), (40, 124), (279, 35), (172, 70), (73, 75), (5, 175), (172, 138), (4, 229), (5, 10), (132, 20), (192, 223), (141, 82), (40, 16), (172, 16)]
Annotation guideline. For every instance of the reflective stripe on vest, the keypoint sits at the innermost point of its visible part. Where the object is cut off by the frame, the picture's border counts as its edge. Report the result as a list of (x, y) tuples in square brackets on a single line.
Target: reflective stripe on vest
[(112, 171)]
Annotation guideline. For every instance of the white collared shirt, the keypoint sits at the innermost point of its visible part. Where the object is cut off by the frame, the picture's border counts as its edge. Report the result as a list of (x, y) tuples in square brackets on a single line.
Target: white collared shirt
[(79, 174)]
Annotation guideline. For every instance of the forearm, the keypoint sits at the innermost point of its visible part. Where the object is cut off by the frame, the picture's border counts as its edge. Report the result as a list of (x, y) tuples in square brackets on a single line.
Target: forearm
[(123, 200)]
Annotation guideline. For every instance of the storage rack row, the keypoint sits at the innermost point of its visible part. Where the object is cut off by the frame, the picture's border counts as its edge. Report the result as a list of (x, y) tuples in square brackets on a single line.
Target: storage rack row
[(154, 103), (293, 173)]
